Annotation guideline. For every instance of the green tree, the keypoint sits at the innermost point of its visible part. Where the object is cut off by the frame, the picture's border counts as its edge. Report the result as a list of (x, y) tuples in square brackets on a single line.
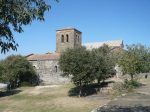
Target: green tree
[(2, 71), (16, 69), (14, 14), (102, 63), (76, 64), (136, 59), (84, 67)]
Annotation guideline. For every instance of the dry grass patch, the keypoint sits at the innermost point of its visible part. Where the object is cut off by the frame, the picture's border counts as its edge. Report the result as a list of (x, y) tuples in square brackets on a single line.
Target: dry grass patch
[(49, 99)]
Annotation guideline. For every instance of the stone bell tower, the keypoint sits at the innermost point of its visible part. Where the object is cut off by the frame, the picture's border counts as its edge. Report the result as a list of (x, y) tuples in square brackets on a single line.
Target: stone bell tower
[(67, 38)]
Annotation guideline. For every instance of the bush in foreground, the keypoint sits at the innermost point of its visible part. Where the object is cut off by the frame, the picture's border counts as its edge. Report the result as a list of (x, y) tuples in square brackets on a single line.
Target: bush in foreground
[(125, 87), (15, 70)]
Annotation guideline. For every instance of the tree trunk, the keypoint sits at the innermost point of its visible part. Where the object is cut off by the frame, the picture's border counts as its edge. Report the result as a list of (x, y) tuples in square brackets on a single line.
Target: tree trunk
[(80, 89), (131, 76), (98, 81)]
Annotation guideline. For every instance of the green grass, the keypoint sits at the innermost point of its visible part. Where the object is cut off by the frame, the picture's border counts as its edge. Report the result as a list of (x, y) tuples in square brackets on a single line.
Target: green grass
[(46, 100)]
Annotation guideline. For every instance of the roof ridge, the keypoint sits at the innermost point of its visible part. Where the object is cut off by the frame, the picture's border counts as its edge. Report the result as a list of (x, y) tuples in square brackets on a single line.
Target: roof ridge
[(104, 41)]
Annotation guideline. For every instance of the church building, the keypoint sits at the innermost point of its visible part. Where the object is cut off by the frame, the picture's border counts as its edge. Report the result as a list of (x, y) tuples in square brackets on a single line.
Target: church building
[(47, 66)]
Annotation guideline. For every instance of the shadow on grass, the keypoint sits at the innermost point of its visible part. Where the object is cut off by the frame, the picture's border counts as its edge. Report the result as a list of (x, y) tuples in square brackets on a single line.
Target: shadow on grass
[(137, 108), (89, 89), (9, 93)]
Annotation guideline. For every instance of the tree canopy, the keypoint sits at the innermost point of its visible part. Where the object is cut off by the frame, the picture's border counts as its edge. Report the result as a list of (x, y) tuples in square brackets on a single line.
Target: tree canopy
[(75, 62), (14, 14), (136, 59), (17, 68), (84, 67), (103, 63)]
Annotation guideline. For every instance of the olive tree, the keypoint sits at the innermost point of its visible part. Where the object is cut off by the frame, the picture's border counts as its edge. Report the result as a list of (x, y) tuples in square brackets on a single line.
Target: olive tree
[(84, 67), (136, 59), (76, 64), (102, 63)]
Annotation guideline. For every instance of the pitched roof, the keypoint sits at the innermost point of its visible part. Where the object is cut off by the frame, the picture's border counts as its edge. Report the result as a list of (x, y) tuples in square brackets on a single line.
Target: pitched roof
[(115, 43), (48, 56)]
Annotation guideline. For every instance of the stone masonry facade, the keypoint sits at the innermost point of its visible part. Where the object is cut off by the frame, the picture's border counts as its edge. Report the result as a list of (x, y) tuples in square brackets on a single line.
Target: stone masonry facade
[(49, 72), (67, 38), (47, 65)]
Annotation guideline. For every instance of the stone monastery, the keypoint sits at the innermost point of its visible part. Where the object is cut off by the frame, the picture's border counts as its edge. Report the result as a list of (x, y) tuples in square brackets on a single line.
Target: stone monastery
[(46, 65)]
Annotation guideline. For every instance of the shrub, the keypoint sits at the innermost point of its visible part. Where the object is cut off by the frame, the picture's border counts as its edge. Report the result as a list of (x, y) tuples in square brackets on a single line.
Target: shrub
[(131, 84), (15, 70), (125, 87)]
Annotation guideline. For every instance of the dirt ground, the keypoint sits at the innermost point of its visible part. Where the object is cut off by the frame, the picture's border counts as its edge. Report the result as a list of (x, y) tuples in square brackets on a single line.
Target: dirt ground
[(138, 101)]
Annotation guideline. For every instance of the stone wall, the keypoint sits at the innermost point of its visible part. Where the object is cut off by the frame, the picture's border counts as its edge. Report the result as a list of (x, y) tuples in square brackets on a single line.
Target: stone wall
[(49, 72)]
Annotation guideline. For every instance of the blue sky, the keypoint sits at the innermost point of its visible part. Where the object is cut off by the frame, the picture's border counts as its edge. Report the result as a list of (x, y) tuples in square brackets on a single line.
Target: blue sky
[(98, 20)]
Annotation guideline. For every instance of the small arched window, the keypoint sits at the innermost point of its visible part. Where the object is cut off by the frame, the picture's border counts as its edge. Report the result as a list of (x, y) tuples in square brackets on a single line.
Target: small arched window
[(62, 38), (67, 38)]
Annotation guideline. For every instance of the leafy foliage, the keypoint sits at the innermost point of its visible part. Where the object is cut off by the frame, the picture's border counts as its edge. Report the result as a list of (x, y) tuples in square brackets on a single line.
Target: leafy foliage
[(84, 66), (120, 88), (14, 14), (131, 84), (16, 69), (136, 59), (103, 63), (75, 62)]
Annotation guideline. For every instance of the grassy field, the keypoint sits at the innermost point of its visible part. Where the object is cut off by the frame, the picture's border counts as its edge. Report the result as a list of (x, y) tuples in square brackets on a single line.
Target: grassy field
[(49, 99)]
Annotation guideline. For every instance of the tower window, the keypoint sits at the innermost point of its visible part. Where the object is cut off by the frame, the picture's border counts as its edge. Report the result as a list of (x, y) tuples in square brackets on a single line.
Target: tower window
[(76, 35), (67, 38), (62, 38), (78, 39)]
